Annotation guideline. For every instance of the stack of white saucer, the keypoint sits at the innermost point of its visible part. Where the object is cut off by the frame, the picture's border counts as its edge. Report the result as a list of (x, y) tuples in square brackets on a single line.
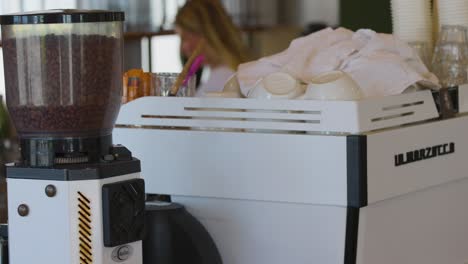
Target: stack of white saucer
[(412, 20)]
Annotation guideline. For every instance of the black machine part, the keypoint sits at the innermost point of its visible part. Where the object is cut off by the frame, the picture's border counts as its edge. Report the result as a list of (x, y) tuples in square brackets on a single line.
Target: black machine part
[(46, 152), (3, 244), (174, 236), (446, 100), (62, 16), (123, 212)]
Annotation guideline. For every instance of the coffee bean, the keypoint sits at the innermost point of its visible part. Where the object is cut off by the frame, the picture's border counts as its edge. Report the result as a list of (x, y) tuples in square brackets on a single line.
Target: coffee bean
[(63, 86)]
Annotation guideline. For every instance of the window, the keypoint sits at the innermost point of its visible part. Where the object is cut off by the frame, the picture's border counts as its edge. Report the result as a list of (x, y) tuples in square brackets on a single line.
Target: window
[(165, 55)]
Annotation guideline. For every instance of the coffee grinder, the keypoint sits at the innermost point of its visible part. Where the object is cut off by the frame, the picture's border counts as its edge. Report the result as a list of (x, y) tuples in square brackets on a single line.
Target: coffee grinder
[(74, 197)]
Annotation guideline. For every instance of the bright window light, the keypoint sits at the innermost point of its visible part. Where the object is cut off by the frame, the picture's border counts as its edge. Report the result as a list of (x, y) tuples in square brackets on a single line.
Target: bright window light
[(166, 54), (62, 4)]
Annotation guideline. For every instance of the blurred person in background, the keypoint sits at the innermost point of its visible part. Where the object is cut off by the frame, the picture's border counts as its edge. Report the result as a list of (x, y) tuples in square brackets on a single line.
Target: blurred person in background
[(224, 50)]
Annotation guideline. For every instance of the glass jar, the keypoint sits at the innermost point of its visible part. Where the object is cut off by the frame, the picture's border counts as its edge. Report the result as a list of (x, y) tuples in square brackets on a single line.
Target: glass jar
[(63, 72)]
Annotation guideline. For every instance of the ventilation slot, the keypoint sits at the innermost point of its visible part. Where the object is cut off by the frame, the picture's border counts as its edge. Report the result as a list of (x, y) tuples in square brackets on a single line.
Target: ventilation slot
[(403, 108), (84, 229), (235, 120), (384, 118)]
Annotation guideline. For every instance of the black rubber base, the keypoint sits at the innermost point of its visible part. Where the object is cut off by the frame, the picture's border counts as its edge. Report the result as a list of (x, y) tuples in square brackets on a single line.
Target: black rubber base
[(174, 236)]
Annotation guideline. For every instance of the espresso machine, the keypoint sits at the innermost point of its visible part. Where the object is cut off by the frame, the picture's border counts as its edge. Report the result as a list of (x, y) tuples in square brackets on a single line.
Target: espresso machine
[(74, 197)]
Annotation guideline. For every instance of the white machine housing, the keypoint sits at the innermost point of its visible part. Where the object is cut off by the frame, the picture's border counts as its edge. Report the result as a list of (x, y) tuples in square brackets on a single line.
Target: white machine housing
[(65, 228), (377, 181)]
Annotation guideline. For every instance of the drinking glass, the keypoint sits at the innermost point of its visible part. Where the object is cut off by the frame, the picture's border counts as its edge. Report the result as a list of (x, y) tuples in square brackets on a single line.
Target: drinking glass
[(163, 82), (450, 60)]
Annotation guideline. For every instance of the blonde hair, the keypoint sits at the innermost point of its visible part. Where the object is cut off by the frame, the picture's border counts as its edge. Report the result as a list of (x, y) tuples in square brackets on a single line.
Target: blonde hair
[(209, 19)]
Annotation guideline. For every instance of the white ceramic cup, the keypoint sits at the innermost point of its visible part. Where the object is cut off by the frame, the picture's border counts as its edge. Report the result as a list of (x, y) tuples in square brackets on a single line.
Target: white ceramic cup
[(277, 85), (334, 85)]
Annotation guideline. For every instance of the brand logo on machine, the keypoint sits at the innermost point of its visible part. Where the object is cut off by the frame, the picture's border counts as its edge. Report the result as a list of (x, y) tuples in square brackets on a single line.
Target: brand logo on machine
[(122, 253), (424, 153)]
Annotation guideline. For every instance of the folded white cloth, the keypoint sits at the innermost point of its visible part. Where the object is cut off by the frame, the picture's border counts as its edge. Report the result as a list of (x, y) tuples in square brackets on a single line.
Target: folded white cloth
[(379, 63)]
